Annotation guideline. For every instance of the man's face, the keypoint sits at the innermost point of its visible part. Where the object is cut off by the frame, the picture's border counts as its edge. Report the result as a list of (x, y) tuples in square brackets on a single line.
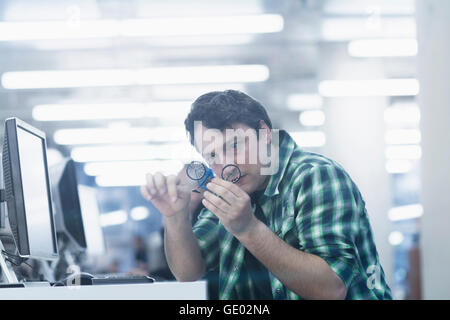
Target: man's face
[(237, 145)]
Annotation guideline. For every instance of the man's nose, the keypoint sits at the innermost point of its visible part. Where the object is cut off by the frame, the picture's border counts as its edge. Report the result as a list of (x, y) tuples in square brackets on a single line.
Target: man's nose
[(217, 168)]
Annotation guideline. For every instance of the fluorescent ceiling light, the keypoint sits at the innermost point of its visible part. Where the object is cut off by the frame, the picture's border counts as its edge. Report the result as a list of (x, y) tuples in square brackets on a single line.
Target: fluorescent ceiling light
[(52, 30), (350, 28), (365, 7), (402, 114), (266, 23), (412, 152), (169, 42), (309, 138), (312, 118), (119, 135), (398, 166), (113, 218), (133, 77), (412, 211), (396, 238), (383, 48), (67, 112), (180, 8), (361, 88), (403, 136), (139, 213), (303, 101), (201, 41), (41, 10), (174, 151), (133, 167), (157, 27), (120, 181), (71, 44)]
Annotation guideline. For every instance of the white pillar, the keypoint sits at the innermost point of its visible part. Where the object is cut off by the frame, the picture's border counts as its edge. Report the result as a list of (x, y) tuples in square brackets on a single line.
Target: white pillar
[(433, 28), (355, 130)]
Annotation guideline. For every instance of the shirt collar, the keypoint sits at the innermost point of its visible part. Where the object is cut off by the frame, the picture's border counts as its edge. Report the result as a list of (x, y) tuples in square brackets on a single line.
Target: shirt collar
[(285, 148)]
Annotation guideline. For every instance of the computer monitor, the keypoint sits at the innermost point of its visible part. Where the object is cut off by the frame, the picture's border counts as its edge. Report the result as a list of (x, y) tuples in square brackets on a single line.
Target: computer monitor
[(68, 215), (91, 219), (27, 191)]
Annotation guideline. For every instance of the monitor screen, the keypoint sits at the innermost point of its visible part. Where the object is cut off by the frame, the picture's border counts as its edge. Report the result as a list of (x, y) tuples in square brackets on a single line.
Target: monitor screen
[(91, 218), (36, 193), (67, 189)]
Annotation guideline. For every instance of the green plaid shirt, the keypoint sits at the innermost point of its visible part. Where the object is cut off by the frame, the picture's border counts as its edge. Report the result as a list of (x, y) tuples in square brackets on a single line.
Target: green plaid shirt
[(314, 206)]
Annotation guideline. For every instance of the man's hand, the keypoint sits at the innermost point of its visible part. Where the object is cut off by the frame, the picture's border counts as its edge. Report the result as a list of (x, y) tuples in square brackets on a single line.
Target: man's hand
[(231, 205), (168, 194), (171, 195)]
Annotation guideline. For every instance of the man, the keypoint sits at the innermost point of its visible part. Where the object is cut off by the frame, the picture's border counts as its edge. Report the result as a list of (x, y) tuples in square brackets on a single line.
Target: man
[(299, 232)]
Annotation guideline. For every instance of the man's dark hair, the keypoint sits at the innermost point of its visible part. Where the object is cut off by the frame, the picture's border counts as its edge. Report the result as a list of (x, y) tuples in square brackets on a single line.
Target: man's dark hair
[(221, 109)]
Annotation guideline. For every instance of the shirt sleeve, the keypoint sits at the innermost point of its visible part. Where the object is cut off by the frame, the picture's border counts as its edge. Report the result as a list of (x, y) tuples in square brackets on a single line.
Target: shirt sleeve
[(206, 230), (327, 219)]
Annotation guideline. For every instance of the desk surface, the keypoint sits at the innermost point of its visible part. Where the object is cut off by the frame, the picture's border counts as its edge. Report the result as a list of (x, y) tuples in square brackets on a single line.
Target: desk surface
[(153, 291)]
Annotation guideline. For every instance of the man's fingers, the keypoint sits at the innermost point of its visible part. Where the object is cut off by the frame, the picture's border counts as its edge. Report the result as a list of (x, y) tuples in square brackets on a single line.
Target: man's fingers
[(145, 193), (216, 201), (229, 186), (227, 195), (211, 207), (160, 183), (172, 187), (150, 184)]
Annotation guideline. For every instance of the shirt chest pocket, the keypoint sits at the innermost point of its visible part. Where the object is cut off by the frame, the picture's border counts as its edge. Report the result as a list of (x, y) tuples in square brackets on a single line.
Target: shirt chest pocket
[(283, 225)]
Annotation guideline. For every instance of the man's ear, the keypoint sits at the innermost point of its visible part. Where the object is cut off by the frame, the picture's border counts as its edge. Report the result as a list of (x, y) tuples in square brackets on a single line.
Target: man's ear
[(268, 132)]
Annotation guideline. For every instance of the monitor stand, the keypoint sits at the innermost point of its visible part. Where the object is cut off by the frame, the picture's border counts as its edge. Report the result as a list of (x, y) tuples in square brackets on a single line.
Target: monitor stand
[(8, 274)]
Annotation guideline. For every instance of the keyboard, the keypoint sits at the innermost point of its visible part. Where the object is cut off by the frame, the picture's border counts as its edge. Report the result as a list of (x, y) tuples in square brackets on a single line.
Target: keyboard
[(103, 279)]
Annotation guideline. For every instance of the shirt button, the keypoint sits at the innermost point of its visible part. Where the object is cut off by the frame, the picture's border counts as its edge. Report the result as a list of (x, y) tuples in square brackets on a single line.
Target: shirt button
[(278, 291), (235, 268)]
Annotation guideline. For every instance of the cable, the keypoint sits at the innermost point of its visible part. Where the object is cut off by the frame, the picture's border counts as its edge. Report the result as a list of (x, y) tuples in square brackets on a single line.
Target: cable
[(11, 258), (7, 234), (15, 259)]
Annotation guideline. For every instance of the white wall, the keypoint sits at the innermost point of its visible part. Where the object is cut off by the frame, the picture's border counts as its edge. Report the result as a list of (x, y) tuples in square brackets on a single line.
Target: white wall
[(433, 26)]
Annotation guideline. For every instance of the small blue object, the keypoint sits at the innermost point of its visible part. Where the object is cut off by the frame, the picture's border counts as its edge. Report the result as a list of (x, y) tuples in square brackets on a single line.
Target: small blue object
[(199, 172), (208, 176)]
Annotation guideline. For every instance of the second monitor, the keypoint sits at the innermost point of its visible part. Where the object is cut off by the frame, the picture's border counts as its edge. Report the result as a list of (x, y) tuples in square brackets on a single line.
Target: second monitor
[(68, 216), (77, 214)]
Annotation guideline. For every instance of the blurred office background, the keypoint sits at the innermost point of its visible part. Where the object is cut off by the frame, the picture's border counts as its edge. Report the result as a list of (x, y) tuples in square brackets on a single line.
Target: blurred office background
[(364, 82)]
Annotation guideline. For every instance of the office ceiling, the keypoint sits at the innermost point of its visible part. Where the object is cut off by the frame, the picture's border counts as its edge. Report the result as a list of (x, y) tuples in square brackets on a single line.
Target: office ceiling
[(292, 55)]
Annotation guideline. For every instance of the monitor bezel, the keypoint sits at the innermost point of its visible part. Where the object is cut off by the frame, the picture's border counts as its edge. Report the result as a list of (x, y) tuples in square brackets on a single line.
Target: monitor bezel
[(22, 242), (88, 190), (57, 173)]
